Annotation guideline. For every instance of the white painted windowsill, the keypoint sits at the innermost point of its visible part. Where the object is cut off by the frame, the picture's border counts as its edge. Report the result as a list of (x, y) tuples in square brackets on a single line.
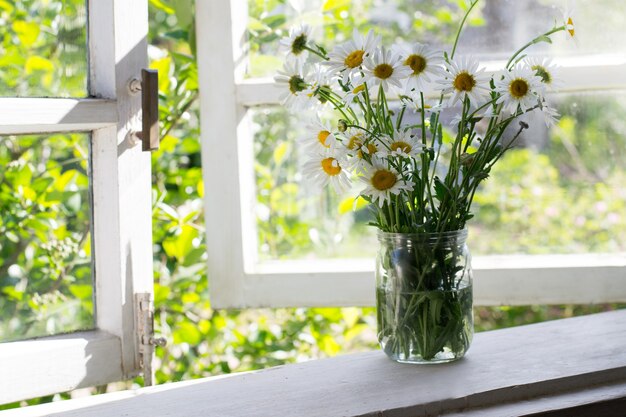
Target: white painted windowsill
[(575, 365)]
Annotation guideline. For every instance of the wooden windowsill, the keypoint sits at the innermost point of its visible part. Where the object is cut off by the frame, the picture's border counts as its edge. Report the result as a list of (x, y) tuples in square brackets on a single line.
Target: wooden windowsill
[(578, 364)]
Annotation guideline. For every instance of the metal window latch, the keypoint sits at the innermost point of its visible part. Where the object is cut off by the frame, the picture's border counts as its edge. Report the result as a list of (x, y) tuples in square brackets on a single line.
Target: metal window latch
[(149, 87), (146, 340)]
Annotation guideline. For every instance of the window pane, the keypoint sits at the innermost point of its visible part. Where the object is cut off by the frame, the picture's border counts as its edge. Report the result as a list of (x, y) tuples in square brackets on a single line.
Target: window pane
[(43, 50), (560, 191), (494, 30), (45, 241)]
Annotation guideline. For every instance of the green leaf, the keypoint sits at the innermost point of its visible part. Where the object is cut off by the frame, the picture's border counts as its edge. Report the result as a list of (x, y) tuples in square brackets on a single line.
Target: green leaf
[(182, 244), (162, 6), (274, 21), (200, 188), (6, 6), (82, 292), (184, 11), (161, 294), (190, 298), (163, 66), (27, 32), (38, 63), (352, 204), (335, 4), (280, 151), (543, 39), (441, 189), (186, 332)]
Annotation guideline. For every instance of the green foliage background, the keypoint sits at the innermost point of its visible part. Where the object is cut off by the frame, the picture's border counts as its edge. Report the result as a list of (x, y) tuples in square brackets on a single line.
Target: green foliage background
[(570, 190)]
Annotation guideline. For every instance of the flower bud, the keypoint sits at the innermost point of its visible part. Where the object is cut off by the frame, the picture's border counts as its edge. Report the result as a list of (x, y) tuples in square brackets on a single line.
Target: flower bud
[(342, 125)]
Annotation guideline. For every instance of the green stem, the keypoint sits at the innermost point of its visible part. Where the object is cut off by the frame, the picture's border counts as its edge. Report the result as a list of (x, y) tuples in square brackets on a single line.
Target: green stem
[(458, 33), (540, 38)]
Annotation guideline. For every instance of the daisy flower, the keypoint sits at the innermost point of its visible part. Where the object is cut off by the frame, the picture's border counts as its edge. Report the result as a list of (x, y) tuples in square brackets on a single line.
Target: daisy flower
[(323, 170), (292, 81), (550, 115), (569, 24), (359, 148), (349, 98), (545, 69), (353, 139), (362, 157), (348, 56), (321, 80), (519, 87), (320, 140), (384, 69), (424, 64), (463, 79), (382, 182), (403, 144), (296, 43)]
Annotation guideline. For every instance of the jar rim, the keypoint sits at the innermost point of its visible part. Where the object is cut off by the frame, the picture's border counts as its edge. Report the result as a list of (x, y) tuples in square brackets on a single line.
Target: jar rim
[(453, 234)]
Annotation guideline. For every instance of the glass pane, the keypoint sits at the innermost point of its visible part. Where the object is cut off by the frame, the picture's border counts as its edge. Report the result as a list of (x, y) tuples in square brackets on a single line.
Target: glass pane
[(494, 30), (560, 191), (43, 50), (45, 240)]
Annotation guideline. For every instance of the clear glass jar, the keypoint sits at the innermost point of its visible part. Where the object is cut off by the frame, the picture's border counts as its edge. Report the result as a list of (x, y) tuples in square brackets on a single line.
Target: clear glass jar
[(424, 296)]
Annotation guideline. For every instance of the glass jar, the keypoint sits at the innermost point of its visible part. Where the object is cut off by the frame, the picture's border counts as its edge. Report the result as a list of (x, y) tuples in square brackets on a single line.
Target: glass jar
[(424, 296)]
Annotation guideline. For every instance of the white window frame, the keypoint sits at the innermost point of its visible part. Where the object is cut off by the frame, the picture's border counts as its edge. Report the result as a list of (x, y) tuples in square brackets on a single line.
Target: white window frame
[(239, 280), (121, 206)]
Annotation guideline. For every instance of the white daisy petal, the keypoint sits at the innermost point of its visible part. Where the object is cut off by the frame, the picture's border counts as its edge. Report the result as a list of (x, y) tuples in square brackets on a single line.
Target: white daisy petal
[(323, 170), (462, 80), (545, 69), (381, 182), (295, 43), (347, 58), (519, 88), (384, 68)]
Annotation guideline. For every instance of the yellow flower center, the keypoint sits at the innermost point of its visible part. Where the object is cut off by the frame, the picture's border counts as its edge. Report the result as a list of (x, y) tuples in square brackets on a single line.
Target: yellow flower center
[(355, 142), (330, 166), (383, 71), (383, 179), (402, 146), (570, 26), (464, 81), (354, 58), (358, 89), (321, 136), (518, 88), (417, 63), (543, 73), (371, 148)]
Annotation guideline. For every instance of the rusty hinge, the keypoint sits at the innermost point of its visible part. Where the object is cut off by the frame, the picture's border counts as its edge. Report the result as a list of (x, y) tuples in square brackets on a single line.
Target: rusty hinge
[(146, 339)]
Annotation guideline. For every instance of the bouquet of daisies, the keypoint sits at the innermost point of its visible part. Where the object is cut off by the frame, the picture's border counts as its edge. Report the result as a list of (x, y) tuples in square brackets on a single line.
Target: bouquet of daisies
[(389, 135)]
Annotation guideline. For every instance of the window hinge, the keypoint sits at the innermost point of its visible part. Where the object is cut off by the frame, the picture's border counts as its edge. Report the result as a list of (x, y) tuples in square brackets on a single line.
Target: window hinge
[(146, 339)]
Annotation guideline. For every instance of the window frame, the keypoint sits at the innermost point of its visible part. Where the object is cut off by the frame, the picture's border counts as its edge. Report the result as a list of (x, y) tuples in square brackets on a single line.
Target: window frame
[(238, 280), (121, 211)]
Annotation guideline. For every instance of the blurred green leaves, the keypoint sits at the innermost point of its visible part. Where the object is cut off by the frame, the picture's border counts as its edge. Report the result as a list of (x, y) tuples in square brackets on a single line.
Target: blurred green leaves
[(44, 48), (45, 265)]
